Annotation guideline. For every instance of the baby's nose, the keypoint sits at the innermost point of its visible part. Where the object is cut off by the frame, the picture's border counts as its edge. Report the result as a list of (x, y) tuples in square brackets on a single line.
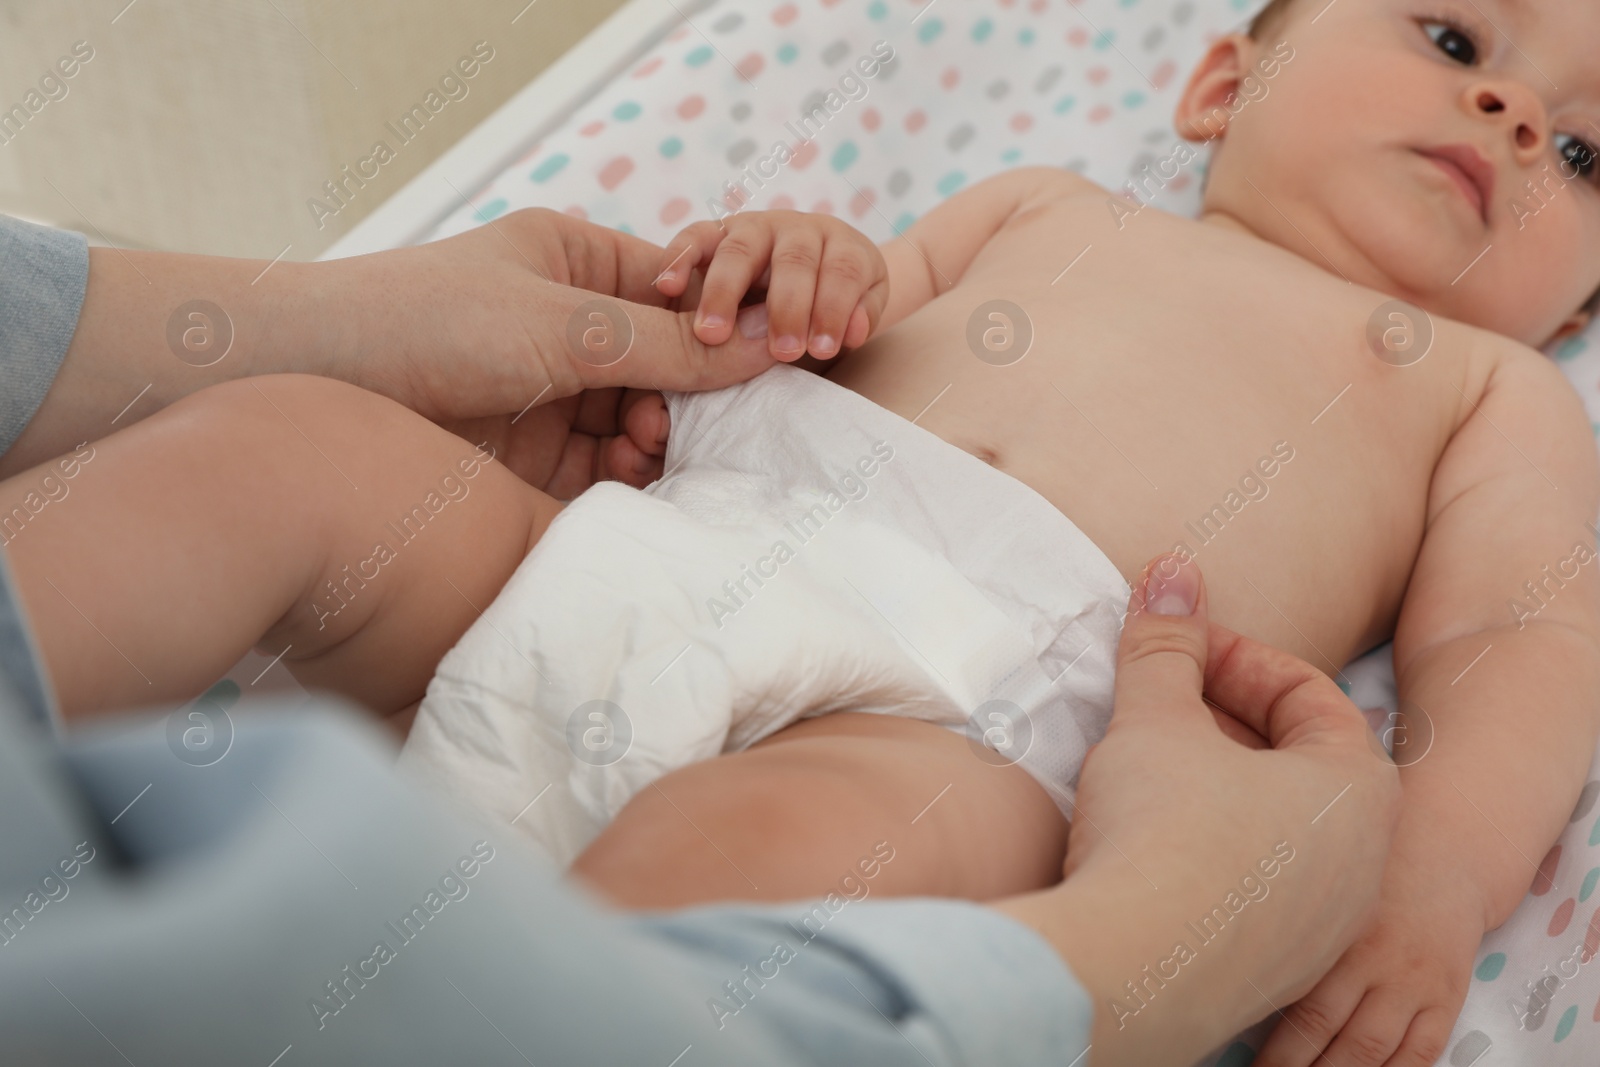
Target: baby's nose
[(1512, 104)]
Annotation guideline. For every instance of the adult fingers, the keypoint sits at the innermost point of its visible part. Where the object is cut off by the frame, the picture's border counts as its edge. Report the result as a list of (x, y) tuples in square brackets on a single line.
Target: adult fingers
[(1162, 654), (619, 343)]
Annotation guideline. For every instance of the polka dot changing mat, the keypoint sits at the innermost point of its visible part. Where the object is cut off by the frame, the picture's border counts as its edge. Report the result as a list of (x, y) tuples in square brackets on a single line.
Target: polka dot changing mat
[(885, 107)]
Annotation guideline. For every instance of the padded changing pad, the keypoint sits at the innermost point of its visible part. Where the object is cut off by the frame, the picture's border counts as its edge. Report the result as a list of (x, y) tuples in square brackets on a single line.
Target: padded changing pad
[(976, 87)]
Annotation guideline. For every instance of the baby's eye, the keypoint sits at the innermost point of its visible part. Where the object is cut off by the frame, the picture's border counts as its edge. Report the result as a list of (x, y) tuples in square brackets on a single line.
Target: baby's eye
[(1578, 157), (1452, 41)]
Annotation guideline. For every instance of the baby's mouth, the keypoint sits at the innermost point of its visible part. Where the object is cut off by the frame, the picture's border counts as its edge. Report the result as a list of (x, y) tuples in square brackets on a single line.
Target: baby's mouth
[(1473, 174)]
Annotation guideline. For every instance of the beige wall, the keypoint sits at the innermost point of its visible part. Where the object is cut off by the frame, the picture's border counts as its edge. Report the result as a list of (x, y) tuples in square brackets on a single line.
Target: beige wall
[(207, 125)]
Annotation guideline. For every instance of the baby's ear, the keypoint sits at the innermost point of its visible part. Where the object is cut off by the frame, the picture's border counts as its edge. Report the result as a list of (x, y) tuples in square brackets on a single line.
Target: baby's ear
[(1202, 113)]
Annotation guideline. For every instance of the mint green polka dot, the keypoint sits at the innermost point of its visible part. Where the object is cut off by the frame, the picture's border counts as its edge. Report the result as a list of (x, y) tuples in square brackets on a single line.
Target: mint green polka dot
[(1589, 881), (1571, 347), (982, 29), (1102, 42), (844, 155), (1491, 967), (950, 182), (624, 227), (1564, 1027), (671, 147), (1024, 36), (1065, 104), (1126, 3), (877, 10), (625, 111), (698, 56), (1343, 684), (904, 222), (1133, 98), (1011, 155), (549, 168), (493, 209), (1240, 5), (929, 30), (1594, 834), (1239, 1054), (787, 52)]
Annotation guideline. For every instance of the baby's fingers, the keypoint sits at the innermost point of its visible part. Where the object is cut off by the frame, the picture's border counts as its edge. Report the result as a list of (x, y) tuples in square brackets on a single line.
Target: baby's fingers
[(852, 276), (740, 258), (1374, 1031), (1311, 1024), (692, 246)]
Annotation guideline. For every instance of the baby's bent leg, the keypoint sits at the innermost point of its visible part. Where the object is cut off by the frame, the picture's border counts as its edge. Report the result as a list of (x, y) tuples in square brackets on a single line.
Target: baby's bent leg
[(348, 530), (791, 817)]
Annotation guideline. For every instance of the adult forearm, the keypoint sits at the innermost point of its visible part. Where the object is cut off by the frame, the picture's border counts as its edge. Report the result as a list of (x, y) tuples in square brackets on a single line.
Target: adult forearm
[(156, 327), (1496, 755)]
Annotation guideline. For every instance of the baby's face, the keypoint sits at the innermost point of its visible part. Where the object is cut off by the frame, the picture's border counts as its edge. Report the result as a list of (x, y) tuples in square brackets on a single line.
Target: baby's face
[(1398, 144)]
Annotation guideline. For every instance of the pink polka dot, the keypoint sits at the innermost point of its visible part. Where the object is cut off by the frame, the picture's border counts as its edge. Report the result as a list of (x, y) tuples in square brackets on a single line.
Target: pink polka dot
[(1591, 939), (870, 119), (804, 155), (751, 65), (1077, 37), (1546, 876), (861, 202), (528, 155), (576, 211), (1098, 75), (1164, 73), (673, 210), (1562, 917), (678, 34), (690, 106), (1099, 113), (1021, 121), (1038, 6), (1008, 3), (648, 68), (612, 173), (950, 78), (784, 14), (823, 207), (1180, 183), (915, 121), (830, 3), (589, 129), (783, 202)]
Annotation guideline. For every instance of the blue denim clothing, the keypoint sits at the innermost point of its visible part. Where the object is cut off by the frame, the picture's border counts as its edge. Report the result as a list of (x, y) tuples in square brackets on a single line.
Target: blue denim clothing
[(289, 899)]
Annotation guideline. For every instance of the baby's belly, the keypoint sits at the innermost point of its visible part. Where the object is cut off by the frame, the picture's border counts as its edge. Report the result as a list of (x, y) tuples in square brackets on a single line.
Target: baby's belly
[(1305, 531)]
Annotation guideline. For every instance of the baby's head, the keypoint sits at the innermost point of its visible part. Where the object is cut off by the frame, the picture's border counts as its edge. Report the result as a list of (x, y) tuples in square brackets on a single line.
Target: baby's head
[(1393, 141)]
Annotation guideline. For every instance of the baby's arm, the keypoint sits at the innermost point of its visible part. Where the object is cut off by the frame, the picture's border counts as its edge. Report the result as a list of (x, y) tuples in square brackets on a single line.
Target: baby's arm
[(1495, 757), (934, 252)]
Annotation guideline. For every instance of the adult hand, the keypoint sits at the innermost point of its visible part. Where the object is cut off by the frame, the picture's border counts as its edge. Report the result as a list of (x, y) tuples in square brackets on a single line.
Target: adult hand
[(473, 327), (1208, 883)]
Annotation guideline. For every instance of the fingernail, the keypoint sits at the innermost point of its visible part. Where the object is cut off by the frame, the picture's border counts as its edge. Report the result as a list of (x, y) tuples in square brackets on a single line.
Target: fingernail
[(753, 321), (713, 322), (1171, 588), (823, 343), (788, 343)]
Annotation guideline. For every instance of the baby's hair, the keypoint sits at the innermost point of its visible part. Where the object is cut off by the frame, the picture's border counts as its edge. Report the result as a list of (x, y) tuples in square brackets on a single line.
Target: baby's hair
[(1268, 18)]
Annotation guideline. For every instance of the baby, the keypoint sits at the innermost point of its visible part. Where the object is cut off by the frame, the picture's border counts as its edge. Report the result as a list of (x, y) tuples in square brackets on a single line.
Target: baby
[(1324, 390)]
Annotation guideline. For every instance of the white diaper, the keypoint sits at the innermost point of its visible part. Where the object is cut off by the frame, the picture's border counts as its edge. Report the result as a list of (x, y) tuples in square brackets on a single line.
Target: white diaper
[(807, 551)]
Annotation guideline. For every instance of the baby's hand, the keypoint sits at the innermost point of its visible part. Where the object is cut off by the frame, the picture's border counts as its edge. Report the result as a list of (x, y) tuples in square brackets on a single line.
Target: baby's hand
[(826, 283), (1394, 995)]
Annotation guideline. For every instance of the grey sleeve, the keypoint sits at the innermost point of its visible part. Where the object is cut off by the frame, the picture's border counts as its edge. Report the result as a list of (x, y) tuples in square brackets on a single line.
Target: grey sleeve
[(43, 276)]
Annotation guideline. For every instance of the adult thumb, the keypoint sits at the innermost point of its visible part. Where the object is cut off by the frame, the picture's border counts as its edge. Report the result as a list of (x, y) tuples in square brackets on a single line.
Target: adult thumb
[(1161, 659), (659, 349)]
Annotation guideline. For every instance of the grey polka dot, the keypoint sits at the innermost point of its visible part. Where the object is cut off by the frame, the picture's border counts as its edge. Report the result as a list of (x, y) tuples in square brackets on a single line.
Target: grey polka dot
[(959, 137), (1078, 165), (899, 182), (1157, 134), (889, 68), (817, 99), (729, 22), (835, 52), (1539, 1001), (741, 151), (1182, 13), (740, 111), (997, 89), (1154, 37), (1586, 800), (1046, 79), (1470, 1049), (1140, 162)]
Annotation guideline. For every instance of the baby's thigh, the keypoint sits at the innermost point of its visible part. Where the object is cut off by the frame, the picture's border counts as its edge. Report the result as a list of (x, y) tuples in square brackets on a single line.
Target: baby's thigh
[(825, 800)]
